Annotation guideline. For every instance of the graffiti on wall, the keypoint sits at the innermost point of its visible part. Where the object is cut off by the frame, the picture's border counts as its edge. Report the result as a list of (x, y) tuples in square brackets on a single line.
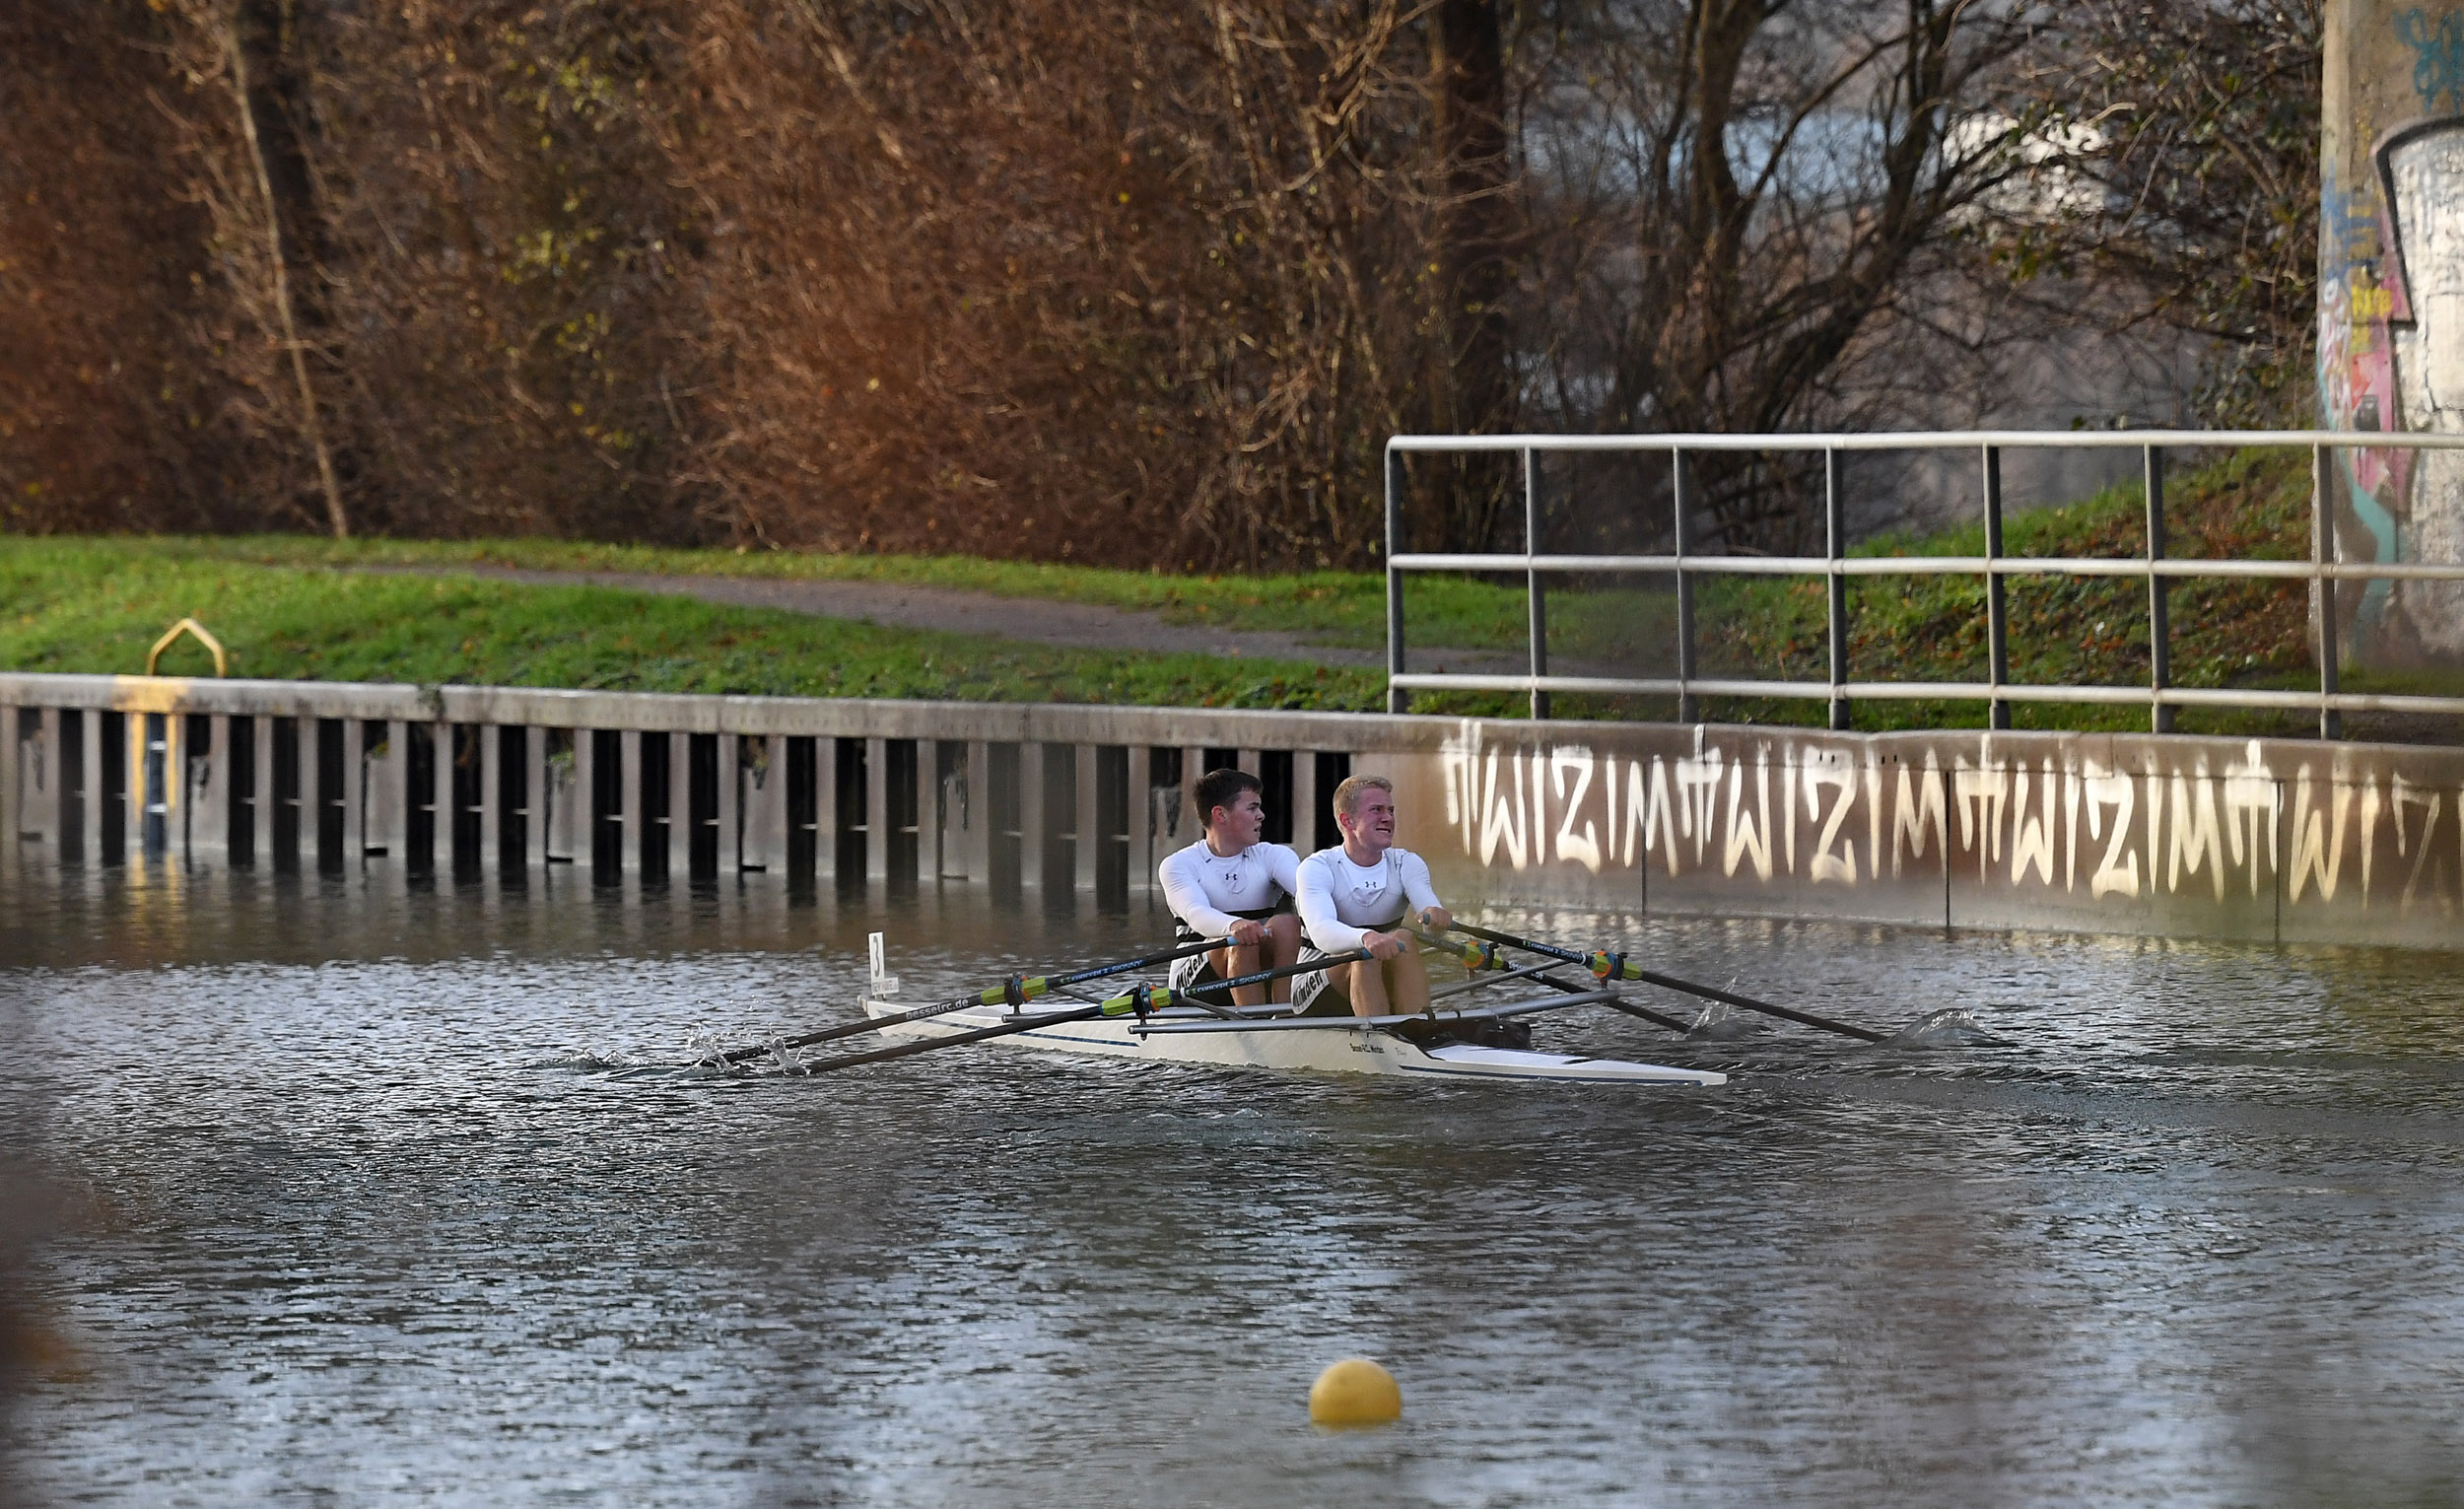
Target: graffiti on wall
[(2049, 825), (2391, 311)]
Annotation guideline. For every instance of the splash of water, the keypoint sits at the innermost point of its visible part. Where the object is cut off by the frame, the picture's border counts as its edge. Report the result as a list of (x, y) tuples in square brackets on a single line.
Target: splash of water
[(1949, 1027), (1722, 1023)]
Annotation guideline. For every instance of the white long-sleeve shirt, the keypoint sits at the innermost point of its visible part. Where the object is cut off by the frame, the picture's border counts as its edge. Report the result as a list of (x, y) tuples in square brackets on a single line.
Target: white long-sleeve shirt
[(1340, 900), (1205, 889)]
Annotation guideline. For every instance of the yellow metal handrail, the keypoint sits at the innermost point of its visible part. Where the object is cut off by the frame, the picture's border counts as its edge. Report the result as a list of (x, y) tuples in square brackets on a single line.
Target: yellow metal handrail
[(191, 626)]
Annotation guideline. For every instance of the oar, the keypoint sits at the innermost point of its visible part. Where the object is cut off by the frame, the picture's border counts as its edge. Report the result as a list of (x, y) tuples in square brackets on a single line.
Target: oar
[(1480, 956), (1140, 1001), (1676, 1024), (1602, 964), (1027, 989)]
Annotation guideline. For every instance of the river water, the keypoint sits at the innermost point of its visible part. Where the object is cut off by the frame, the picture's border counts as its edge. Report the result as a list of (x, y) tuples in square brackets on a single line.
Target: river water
[(332, 1193)]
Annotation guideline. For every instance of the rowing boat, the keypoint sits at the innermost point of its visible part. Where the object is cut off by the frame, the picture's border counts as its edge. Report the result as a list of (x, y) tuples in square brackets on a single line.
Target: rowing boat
[(1251, 1038)]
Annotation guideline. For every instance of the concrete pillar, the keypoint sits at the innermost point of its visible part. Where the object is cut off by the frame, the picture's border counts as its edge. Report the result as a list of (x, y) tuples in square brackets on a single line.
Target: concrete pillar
[(385, 789), (90, 784), (261, 793), (928, 861), (979, 815), (11, 799), (637, 830), (1306, 800), (731, 811), (1032, 826), (205, 830), (765, 795), (37, 815), (582, 799), (564, 830), (354, 772), (825, 809), (444, 805), (2391, 314), (877, 833), (1193, 824), (1143, 855), (679, 806), (1086, 828), (312, 793), (540, 795), (491, 798)]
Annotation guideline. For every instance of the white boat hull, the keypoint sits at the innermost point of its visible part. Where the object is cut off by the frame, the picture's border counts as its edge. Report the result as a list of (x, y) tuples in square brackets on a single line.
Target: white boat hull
[(1364, 1049)]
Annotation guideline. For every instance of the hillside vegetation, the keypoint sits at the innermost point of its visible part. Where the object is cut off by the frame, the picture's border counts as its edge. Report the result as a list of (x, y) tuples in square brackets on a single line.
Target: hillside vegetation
[(278, 601)]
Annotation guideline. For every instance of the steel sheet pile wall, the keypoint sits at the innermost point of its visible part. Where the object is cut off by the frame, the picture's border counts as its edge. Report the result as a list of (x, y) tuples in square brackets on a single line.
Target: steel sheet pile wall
[(2144, 834), (478, 781)]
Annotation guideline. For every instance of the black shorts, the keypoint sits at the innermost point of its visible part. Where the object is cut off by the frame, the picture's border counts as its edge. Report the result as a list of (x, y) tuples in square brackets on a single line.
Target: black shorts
[(1319, 993), (1200, 969)]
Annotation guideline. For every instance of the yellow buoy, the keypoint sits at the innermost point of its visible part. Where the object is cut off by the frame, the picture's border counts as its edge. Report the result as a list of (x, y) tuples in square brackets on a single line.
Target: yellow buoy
[(1355, 1392)]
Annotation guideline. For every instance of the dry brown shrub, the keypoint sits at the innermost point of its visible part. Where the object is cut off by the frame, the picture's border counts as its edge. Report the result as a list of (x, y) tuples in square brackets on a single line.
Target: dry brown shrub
[(105, 421), (1098, 282)]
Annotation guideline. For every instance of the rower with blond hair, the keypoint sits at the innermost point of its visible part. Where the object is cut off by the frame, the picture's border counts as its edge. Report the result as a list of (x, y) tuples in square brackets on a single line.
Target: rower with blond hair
[(1366, 893)]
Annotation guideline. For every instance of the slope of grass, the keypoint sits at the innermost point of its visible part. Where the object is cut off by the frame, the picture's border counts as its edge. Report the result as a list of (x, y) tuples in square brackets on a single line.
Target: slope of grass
[(2082, 630), (95, 605), (1333, 606)]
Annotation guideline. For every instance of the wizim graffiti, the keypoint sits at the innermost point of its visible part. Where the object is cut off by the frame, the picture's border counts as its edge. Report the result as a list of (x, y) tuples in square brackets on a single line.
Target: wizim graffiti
[(2088, 830)]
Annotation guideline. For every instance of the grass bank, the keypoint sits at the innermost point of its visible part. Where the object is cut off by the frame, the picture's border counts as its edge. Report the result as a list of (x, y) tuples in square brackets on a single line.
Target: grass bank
[(94, 605), (1337, 607), (97, 605)]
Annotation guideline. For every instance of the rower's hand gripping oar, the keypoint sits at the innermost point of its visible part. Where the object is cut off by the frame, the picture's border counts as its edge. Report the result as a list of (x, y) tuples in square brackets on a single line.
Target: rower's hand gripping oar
[(1015, 991), (1140, 1003), (1484, 956), (1608, 966)]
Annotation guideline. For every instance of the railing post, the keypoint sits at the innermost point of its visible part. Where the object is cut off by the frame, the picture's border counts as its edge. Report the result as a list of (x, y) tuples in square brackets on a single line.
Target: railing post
[(2323, 592), (1997, 615), (1835, 532), (1397, 699), (1687, 708), (2160, 620), (1531, 579)]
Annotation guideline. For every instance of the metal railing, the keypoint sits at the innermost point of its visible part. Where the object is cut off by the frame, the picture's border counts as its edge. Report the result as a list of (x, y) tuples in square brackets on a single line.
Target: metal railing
[(2322, 570)]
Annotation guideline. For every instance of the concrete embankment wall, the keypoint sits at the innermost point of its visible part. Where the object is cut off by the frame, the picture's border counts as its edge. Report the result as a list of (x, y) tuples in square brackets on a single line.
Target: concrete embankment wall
[(2136, 834)]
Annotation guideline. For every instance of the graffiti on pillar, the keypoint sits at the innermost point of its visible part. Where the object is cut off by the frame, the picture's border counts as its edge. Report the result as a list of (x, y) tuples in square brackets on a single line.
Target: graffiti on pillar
[(2058, 829), (2437, 48), (2391, 315), (2420, 171)]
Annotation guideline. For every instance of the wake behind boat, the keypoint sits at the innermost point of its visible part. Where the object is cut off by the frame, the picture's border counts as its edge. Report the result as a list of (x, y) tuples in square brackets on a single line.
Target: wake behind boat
[(1261, 1037)]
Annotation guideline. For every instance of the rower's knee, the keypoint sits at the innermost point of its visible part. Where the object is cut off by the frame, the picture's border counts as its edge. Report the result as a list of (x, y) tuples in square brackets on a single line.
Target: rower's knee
[(1283, 933)]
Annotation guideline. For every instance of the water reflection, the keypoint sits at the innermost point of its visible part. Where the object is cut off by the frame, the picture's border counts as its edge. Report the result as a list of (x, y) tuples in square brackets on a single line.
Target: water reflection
[(377, 1217)]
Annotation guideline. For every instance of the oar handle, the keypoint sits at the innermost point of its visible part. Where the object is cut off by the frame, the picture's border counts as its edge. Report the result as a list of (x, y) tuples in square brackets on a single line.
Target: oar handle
[(1238, 982), (1474, 956)]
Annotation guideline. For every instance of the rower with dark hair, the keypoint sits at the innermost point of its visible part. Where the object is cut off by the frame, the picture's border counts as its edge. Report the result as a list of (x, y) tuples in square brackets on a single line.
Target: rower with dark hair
[(1233, 884)]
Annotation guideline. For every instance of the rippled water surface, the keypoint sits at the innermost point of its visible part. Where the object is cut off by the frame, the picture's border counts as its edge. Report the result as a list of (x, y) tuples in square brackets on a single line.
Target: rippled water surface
[(346, 1196)]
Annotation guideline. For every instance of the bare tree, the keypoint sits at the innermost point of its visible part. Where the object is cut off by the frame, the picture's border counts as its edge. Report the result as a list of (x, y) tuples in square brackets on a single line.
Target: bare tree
[(104, 399), (1109, 279), (255, 184), (1753, 190), (2172, 179)]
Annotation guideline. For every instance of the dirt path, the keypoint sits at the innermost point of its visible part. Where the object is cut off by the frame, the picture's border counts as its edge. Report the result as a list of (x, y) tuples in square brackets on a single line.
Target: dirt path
[(1032, 620)]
